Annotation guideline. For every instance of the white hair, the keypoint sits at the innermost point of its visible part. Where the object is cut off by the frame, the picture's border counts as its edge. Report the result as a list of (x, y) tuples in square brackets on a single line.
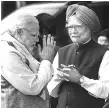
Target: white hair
[(20, 21), (24, 20)]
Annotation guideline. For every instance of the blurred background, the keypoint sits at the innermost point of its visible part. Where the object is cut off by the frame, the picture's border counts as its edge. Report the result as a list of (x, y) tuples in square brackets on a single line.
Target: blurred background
[(9, 9)]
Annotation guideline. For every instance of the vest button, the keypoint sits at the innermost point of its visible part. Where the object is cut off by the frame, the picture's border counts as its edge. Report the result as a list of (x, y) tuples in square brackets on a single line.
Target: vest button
[(77, 52)]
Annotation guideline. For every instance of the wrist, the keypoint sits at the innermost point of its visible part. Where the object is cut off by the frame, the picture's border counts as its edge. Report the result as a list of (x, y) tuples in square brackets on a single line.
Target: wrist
[(41, 59), (81, 80)]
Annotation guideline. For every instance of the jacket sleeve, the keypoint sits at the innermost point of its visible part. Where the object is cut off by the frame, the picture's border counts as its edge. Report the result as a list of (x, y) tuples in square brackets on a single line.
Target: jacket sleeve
[(99, 88), (15, 71)]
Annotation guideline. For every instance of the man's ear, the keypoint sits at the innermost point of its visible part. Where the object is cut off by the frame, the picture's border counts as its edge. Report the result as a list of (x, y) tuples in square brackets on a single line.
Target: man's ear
[(19, 32)]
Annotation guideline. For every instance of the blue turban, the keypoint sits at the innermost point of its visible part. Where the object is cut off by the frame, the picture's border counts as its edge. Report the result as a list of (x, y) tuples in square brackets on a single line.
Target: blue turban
[(86, 15)]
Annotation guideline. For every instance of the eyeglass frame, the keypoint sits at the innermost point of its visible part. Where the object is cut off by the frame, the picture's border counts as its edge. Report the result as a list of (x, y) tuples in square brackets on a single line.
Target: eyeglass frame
[(75, 27), (40, 38), (31, 33)]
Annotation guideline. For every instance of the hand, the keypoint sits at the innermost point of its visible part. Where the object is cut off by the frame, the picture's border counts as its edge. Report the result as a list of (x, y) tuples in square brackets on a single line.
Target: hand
[(72, 74), (61, 75), (47, 52)]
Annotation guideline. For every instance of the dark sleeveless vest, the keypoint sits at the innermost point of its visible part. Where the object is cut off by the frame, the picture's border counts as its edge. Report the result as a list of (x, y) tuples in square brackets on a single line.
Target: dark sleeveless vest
[(87, 59)]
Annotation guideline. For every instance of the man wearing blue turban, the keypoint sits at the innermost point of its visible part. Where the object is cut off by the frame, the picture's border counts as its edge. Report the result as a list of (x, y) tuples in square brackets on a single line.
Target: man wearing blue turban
[(81, 75)]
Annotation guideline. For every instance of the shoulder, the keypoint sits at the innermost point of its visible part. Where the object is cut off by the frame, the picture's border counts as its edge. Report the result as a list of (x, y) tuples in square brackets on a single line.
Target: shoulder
[(97, 46), (8, 52), (66, 47)]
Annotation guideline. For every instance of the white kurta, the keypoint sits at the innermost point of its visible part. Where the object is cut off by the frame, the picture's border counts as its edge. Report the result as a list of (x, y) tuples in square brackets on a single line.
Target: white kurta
[(30, 80)]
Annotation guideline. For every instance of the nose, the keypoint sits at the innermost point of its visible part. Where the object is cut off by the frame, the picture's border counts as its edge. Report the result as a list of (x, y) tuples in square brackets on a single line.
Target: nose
[(36, 38)]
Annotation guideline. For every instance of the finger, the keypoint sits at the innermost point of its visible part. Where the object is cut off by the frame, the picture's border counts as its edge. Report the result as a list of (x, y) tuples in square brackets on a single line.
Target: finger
[(52, 40), (59, 69), (66, 79), (66, 74), (49, 40), (54, 43), (60, 76), (39, 48), (63, 75), (63, 65), (44, 41), (71, 66), (66, 69)]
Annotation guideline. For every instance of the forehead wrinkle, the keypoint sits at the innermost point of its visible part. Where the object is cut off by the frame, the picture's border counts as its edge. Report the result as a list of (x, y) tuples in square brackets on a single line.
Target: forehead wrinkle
[(76, 22), (32, 28)]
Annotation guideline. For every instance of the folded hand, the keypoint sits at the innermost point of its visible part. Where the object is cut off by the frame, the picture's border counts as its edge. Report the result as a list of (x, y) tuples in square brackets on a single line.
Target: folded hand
[(70, 73), (48, 50)]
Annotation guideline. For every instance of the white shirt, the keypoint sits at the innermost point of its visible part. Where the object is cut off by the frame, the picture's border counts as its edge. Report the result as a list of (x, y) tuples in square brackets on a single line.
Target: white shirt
[(97, 88)]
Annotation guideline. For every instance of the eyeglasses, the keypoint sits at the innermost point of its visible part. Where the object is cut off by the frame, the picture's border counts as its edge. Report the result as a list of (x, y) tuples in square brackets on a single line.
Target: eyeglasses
[(76, 27)]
